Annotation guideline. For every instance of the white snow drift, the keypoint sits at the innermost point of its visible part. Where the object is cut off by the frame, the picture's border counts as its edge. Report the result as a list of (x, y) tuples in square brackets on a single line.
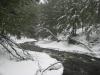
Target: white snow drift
[(29, 67), (64, 46)]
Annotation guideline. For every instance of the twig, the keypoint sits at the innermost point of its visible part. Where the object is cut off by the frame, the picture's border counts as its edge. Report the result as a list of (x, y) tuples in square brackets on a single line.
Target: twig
[(9, 41), (78, 42), (9, 50), (50, 32), (15, 50), (49, 67)]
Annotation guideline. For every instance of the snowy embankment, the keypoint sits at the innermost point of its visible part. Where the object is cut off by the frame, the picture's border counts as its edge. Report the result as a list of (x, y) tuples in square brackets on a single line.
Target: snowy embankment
[(74, 48), (28, 67), (64, 46), (38, 66), (22, 40)]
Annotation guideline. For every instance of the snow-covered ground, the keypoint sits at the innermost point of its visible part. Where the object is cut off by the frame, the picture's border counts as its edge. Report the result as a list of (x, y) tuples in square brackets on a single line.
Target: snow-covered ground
[(22, 40), (64, 46), (41, 61), (28, 67)]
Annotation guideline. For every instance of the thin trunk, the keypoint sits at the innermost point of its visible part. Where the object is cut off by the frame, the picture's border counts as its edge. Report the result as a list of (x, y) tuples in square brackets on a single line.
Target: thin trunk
[(9, 50), (51, 33), (73, 33)]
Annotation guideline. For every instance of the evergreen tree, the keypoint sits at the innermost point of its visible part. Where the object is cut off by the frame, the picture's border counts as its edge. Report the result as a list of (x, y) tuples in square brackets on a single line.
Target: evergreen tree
[(17, 17), (68, 15)]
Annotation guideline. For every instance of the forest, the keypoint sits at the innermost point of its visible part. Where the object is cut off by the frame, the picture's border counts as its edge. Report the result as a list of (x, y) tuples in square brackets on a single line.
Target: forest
[(49, 37)]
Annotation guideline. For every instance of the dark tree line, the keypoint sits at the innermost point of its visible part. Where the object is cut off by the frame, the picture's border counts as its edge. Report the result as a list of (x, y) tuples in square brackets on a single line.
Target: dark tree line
[(69, 15), (53, 17), (31, 18), (17, 17)]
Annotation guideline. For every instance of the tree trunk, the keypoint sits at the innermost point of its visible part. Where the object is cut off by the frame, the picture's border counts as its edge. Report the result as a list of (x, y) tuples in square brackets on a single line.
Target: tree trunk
[(73, 33)]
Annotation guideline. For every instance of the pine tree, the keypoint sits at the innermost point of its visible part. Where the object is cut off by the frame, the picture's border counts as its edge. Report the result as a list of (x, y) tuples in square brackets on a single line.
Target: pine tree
[(17, 17), (69, 15)]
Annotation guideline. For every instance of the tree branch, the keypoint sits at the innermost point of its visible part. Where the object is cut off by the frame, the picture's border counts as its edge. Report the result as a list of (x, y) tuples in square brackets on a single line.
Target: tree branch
[(49, 67), (50, 33)]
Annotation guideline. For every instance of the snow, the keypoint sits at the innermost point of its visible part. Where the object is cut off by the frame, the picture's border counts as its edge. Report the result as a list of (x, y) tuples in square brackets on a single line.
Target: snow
[(43, 1), (96, 49), (29, 67), (53, 72), (61, 46), (64, 46), (40, 62), (18, 68), (80, 30), (22, 40), (61, 17)]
